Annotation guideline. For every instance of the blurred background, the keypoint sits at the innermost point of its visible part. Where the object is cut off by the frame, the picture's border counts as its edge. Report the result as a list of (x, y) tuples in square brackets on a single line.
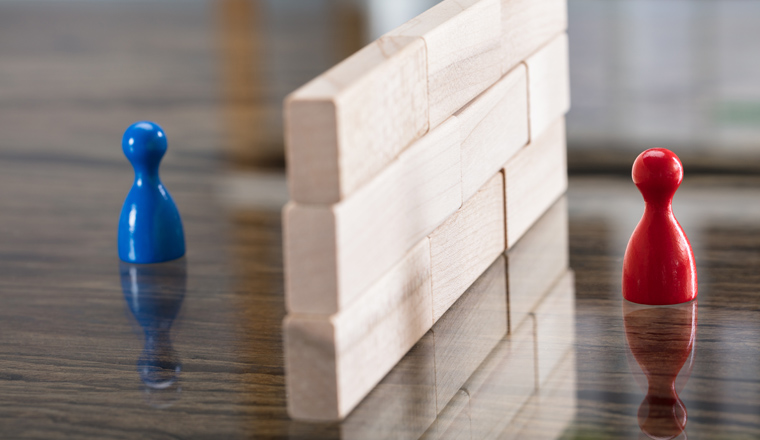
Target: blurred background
[(681, 74)]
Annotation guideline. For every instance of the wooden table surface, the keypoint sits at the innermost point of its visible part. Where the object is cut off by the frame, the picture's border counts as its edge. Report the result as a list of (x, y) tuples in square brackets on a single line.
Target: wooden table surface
[(70, 341)]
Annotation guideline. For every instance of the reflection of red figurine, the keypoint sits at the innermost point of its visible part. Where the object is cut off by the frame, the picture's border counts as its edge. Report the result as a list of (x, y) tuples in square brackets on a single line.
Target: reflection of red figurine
[(661, 339), (658, 268)]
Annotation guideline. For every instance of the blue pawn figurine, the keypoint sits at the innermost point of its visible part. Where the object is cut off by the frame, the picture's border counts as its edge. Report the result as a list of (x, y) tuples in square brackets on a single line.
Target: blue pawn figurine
[(150, 228)]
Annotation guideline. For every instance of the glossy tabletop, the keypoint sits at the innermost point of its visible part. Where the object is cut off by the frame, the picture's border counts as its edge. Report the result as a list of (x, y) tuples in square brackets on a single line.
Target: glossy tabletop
[(74, 320)]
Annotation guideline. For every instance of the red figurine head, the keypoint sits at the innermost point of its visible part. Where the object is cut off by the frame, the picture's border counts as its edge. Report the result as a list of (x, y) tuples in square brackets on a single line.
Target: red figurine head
[(658, 174)]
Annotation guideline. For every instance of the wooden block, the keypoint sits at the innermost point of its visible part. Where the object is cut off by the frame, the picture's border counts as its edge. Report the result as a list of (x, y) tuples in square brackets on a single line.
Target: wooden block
[(345, 126), (548, 85), (463, 39), (333, 254), (454, 421), (550, 411), (526, 25), (468, 242), (555, 326), (402, 405), (494, 128), (332, 362), (469, 330), (535, 177), (537, 261), (503, 383)]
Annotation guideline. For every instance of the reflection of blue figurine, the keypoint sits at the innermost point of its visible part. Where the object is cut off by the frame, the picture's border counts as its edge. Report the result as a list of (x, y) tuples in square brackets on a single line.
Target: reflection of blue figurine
[(154, 294), (150, 228)]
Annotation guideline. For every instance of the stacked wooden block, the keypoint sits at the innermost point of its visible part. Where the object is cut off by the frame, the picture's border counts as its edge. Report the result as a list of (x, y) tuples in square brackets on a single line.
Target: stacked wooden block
[(413, 165), (500, 363)]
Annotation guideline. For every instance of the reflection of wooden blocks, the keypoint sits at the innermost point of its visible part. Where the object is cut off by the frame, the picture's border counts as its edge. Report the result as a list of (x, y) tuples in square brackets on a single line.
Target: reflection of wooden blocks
[(345, 126), (503, 383), (334, 253), (552, 409), (469, 330), (555, 325), (463, 51), (453, 423), (402, 406), (537, 261), (466, 244), (535, 177), (548, 85), (494, 128), (527, 25), (333, 362)]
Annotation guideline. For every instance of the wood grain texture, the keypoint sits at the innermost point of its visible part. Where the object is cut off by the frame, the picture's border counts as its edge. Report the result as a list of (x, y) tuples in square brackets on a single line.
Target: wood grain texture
[(555, 326), (464, 246), (333, 362), (494, 128), (333, 254), (503, 383), (526, 25), (534, 178), (537, 261), (453, 423), (548, 85), (463, 51), (345, 126), (469, 330)]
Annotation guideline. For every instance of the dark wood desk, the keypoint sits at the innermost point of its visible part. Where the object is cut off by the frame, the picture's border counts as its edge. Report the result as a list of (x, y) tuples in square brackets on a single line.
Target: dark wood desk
[(69, 339)]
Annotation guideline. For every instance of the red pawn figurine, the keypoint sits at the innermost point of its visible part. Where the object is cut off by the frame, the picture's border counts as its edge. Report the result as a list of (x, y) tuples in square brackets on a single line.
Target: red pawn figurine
[(658, 268)]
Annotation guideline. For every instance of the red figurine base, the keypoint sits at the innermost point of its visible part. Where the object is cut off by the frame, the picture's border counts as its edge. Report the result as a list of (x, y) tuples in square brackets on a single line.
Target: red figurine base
[(658, 268)]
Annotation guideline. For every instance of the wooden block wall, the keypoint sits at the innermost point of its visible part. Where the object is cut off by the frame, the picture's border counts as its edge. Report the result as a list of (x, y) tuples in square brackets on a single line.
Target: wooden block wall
[(549, 85), (345, 126), (463, 51), (494, 127), (333, 253), (466, 244), (412, 166), (520, 382), (534, 178), (363, 342), (537, 261), (526, 25)]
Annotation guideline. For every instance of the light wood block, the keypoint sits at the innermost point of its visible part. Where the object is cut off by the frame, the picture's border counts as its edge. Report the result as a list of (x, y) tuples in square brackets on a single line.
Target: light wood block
[(503, 383), (333, 362), (463, 39), (345, 126), (402, 405), (333, 254), (469, 331), (453, 423), (535, 177), (549, 412), (555, 326), (548, 85), (494, 128), (526, 25), (468, 242), (537, 261)]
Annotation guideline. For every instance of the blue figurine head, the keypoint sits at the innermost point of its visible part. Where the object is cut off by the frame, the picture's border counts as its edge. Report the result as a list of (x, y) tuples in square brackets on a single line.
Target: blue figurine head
[(150, 227), (144, 144)]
